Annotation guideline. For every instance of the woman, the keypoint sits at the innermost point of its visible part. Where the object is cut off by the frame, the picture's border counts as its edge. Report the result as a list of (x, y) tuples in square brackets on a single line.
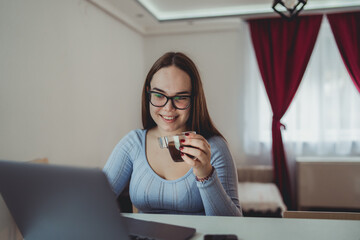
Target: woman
[(173, 101)]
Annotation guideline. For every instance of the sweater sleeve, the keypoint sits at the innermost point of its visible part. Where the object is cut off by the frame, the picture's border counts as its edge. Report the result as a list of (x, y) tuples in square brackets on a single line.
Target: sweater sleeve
[(219, 193), (119, 165)]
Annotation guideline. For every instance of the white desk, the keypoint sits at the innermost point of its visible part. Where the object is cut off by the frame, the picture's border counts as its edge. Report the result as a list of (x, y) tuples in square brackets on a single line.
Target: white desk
[(247, 228)]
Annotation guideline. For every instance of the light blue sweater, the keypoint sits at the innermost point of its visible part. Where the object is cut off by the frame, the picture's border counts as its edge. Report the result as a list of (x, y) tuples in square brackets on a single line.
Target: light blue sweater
[(152, 194)]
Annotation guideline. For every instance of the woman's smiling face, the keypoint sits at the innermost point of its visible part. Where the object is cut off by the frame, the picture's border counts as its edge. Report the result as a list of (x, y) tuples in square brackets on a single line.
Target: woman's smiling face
[(170, 81)]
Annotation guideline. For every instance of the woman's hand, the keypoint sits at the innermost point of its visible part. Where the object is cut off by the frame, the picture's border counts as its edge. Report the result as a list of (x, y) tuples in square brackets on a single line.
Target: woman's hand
[(197, 146)]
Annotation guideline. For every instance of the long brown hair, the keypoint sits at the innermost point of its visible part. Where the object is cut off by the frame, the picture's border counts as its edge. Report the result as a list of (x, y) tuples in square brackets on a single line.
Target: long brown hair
[(199, 119)]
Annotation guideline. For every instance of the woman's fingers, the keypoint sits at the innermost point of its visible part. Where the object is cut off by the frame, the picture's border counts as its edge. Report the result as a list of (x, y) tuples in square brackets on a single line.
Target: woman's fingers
[(196, 152), (192, 162), (196, 142), (193, 138)]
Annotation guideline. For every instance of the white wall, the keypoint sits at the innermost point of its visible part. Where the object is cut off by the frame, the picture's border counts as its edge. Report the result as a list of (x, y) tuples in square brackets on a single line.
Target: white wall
[(70, 81), (70, 78), (219, 56)]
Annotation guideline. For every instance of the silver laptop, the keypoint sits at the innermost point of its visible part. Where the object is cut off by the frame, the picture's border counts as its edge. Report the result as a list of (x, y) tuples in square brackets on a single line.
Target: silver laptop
[(59, 202)]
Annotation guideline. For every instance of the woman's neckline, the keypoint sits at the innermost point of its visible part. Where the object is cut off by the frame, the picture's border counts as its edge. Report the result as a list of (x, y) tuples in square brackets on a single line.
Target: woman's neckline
[(144, 138)]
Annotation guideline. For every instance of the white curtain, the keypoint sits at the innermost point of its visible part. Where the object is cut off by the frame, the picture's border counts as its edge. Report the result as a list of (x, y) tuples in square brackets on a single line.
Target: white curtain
[(322, 120)]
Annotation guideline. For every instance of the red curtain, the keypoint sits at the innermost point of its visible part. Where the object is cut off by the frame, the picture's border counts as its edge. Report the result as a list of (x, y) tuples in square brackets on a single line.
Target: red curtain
[(346, 29), (283, 49)]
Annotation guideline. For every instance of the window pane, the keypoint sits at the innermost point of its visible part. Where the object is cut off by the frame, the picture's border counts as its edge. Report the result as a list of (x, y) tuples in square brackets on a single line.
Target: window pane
[(324, 117)]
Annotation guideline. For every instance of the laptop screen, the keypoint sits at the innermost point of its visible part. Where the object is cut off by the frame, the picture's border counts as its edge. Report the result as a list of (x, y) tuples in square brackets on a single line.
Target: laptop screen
[(57, 202)]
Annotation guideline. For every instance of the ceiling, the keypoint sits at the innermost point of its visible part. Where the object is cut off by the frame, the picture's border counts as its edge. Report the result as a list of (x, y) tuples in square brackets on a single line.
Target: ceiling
[(168, 16)]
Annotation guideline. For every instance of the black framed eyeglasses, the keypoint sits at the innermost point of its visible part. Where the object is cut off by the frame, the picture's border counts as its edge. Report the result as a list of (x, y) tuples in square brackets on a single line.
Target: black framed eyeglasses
[(180, 102)]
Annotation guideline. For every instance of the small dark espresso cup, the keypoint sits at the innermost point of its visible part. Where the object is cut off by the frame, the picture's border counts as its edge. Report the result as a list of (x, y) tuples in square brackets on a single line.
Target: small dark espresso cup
[(173, 143)]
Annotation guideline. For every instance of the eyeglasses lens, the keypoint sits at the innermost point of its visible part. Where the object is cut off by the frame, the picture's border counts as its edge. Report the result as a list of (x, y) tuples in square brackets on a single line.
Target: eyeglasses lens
[(160, 100)]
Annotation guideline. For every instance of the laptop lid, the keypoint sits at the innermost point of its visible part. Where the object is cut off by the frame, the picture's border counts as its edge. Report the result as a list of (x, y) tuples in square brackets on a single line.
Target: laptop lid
[(55, 202), (61, 202)]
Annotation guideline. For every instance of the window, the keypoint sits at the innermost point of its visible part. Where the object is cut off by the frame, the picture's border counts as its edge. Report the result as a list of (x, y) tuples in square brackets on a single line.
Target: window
[(324, 116)]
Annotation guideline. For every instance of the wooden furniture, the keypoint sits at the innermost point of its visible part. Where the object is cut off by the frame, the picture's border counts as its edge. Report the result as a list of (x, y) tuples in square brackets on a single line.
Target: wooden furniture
[(40, 160), (322, 215), (8, 227)]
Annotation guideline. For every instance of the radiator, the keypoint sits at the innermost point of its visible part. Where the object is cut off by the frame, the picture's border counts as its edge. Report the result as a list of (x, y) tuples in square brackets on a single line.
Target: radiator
[(331, 182)]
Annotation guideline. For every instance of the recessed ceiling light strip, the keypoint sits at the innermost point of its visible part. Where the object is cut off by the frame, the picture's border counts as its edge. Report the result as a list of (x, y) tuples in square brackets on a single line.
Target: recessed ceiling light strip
[(237, 10)]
